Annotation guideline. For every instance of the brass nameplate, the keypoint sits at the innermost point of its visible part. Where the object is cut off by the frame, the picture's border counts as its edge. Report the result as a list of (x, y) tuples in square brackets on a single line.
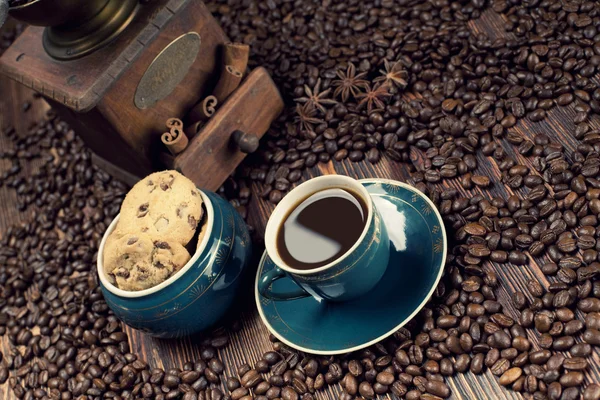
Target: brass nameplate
[(167, 70)]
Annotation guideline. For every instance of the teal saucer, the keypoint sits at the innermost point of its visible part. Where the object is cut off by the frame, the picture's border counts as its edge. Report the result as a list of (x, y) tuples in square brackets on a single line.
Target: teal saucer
[(417, 256)]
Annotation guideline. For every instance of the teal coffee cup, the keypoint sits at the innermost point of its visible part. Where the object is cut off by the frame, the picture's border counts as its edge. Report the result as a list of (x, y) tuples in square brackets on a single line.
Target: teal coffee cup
[(349, 276)]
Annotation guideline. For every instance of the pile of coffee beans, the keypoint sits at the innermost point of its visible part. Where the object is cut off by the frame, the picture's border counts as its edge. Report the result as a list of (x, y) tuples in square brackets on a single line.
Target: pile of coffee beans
[(363, 81), (368, 78)]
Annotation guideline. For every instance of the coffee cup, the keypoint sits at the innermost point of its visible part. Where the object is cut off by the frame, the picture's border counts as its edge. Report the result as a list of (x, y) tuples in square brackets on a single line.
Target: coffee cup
[(350, 275)]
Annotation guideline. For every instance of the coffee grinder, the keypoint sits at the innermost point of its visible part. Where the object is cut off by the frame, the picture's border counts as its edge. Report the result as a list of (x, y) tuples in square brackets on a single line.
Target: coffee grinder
[(147, 85)]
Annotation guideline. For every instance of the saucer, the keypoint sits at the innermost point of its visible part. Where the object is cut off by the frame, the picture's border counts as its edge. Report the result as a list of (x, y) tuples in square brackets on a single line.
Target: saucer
[(417, 256)]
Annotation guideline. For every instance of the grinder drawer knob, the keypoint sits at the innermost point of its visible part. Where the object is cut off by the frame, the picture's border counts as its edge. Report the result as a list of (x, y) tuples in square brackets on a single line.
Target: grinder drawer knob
[(246, 142)]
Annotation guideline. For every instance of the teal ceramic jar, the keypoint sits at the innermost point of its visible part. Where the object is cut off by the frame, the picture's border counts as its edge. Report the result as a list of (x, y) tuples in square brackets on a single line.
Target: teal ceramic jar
[(199, 294)]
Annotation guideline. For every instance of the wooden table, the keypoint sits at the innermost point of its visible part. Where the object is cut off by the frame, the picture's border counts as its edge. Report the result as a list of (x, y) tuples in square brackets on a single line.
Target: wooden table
[(251, 341)]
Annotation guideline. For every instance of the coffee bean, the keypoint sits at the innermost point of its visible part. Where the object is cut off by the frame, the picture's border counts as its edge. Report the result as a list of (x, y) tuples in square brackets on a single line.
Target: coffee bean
[(355, 368), (571, 393), (535, 288), (521, 343), (581, 350), (575, 363), (517, 257), (287, 393), (555, 362), (571, 379), (216, 365), (239, 393), (589, 305), (373, 156), (543, 321), (211, 376), (414, 395), (563, 343), (279, 368), (554, 390), (340, 155), (189, 396), (592, 392), (592, 320), (385, 378), (437, 388), (500, 367), (477, 364), (232, 384), (510, 376), (356, 155), (480, 180), (479, 250), (273, 393), (319, 381), (190, 376), (250, 379), (471, 285), (539, 356), (432, 176), (261, 388), (261, 366), (592, 336), (462, 363), (546, 340), (243, 369), (366, 390), (350, 384), (398, 389)]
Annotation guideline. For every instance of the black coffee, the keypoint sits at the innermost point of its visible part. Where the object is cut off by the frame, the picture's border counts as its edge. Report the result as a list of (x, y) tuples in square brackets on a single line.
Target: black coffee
[(321, 228)]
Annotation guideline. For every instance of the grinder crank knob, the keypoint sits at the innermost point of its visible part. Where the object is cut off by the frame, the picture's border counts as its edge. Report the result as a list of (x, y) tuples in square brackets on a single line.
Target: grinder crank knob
[(246, 142)]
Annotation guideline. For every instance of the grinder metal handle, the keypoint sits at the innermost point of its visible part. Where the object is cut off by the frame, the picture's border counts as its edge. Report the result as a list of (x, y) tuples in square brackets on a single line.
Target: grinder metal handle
[(3, 11)]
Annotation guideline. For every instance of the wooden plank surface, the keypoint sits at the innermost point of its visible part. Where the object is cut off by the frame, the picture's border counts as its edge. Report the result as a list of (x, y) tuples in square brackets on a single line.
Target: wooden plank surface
[(251, 341)]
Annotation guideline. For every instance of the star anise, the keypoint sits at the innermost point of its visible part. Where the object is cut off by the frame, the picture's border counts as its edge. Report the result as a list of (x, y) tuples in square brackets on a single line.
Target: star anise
[(315, 98), (306, 116), (373, 97), (349, 83), (393, 75)]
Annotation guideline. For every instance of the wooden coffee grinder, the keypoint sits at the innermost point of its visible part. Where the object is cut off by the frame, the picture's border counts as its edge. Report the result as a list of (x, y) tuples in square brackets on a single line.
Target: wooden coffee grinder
[(119, 70)]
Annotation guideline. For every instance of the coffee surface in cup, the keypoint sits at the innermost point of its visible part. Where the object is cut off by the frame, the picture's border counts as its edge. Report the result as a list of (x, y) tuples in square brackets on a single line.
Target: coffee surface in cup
[(321, 228)]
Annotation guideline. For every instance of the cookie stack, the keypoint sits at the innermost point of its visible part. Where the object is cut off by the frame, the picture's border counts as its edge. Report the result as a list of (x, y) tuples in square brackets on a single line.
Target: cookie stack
[(159, 218)]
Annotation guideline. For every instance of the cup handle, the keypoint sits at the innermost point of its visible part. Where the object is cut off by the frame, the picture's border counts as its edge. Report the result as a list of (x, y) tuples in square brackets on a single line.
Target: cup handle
[(264, 287)]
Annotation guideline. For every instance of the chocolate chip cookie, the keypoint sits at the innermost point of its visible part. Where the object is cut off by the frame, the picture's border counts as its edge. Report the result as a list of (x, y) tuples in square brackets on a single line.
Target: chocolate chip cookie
[(136, 261), (164, 204)]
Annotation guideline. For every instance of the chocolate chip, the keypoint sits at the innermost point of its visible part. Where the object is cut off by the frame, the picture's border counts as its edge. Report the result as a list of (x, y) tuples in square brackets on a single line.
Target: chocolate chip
[(143, 210)]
